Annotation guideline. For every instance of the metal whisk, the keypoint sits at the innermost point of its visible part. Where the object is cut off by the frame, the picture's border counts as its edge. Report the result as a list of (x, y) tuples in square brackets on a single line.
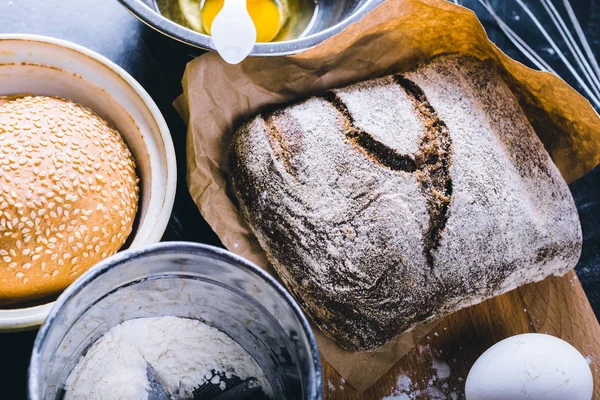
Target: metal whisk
[(564, 36)]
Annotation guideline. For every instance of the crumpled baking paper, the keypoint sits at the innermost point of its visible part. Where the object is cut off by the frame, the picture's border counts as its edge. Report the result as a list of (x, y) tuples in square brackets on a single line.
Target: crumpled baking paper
[(394, 37)]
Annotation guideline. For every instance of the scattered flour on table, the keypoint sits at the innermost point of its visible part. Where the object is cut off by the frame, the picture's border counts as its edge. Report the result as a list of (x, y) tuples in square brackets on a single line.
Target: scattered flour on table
[(436, 388), (442, 370), (182, 351), (332, 387)]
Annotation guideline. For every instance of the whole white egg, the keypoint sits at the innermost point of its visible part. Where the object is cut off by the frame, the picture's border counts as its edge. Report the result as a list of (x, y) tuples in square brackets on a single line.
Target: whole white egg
[(530, 367)]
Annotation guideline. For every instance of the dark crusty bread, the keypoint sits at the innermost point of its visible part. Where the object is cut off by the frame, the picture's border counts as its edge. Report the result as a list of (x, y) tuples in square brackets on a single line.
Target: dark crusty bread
[(394, 201)]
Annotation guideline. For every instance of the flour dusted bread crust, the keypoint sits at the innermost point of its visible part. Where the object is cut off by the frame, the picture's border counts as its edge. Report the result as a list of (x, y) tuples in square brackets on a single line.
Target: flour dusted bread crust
[(398, 200), (68, 194)]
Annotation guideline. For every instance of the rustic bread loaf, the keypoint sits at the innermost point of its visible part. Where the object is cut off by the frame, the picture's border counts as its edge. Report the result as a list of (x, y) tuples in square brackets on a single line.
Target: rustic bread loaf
[(394, 201)]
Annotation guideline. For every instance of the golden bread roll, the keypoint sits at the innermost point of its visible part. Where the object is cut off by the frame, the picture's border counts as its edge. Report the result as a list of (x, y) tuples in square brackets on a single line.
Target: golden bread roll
[(68, 194)]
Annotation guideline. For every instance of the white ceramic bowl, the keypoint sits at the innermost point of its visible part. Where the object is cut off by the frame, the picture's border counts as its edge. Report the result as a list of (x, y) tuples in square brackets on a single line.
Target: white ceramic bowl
[(46, 66)]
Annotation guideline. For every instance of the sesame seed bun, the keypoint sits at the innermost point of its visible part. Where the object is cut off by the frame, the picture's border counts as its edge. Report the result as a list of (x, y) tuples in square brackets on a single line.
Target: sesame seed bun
[(68, 194)]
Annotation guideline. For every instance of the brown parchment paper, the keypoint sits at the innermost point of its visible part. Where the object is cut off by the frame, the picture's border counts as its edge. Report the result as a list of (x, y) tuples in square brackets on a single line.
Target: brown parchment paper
[(394, 37)]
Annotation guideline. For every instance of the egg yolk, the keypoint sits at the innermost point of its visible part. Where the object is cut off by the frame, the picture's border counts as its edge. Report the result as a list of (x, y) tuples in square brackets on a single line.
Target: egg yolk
[(265, 14)]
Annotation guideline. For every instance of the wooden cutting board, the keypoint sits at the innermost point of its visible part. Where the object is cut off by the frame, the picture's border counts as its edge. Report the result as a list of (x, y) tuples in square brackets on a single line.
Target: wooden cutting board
[(438, 366)]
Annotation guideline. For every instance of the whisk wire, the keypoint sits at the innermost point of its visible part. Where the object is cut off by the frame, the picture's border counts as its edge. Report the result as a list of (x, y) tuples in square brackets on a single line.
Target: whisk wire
[(521, 45), (586, 72), (572, 45), (558, 52), (581, 35)]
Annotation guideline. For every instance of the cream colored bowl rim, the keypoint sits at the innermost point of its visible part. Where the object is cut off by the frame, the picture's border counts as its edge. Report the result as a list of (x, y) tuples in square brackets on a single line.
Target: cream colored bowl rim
[(19, 319)]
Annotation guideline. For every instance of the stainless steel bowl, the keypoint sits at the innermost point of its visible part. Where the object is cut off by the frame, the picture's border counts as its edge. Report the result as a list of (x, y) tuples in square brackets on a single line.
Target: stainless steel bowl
[(330, 17), (184, 280)]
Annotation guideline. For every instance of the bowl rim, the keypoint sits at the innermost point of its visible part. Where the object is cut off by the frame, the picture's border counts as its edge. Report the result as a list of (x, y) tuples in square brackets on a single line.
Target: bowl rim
[(182, 34), (26, 318), (172, 248)]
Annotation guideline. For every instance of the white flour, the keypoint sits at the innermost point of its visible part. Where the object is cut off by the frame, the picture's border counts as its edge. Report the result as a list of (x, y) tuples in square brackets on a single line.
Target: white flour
[(182, 351)]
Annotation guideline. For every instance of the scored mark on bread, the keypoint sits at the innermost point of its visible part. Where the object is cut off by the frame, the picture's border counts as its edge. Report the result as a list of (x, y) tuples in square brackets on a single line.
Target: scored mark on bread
[(285, 138), (431, 164), (376, 150)]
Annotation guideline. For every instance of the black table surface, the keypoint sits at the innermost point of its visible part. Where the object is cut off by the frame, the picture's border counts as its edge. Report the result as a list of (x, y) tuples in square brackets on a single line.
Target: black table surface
[(158, 62)]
